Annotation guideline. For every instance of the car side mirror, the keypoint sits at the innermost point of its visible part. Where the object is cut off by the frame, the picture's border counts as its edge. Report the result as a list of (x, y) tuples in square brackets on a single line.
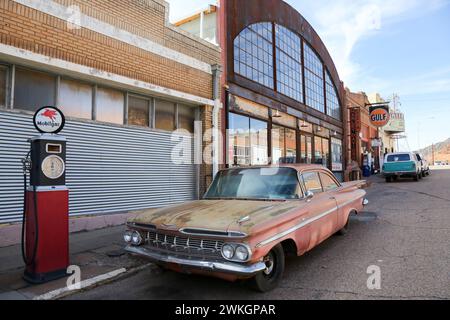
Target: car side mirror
[(309, 196)]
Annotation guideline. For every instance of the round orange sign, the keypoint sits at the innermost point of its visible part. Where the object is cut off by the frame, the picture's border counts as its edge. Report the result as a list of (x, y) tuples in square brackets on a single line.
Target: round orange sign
[(379, 117)]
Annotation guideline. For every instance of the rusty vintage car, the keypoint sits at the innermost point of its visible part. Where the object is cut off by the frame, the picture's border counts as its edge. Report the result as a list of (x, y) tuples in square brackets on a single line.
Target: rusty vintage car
[(247, 221)]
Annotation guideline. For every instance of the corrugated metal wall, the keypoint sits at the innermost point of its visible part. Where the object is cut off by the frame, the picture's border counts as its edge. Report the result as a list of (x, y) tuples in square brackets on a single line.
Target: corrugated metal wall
[(109, 169)]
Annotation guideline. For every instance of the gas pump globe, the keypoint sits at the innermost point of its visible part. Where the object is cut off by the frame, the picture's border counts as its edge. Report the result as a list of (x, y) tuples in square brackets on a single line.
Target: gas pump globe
[(45, 233)]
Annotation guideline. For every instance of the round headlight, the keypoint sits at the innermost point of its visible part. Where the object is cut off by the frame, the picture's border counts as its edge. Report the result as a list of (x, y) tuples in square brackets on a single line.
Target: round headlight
[(241, 253), (127, 236), (228, 251), (136, 238)]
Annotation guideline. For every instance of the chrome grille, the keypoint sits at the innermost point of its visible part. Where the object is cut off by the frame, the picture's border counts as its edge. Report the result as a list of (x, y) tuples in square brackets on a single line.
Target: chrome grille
[(185, 246)]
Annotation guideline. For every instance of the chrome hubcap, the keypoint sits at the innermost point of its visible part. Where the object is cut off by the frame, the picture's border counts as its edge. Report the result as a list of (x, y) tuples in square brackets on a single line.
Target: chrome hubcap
[(268, 260)]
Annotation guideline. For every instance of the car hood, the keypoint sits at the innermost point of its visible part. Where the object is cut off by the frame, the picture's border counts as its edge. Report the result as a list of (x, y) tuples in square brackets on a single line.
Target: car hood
[(218, 215)]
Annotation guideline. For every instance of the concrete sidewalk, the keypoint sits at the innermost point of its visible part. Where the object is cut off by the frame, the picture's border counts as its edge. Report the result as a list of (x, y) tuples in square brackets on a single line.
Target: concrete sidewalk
[(97, 253), (10, 234)]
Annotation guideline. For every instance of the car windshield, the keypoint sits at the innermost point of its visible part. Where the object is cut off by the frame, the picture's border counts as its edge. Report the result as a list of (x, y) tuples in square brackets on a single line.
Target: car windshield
[(398, 157), (255, 183)]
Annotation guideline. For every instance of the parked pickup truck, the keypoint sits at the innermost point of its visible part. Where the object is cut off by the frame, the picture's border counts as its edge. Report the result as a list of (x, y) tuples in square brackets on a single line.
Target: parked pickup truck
[(402, 164)]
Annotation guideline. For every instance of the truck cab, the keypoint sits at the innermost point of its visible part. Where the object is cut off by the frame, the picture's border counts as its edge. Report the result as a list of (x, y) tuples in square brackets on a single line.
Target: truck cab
[(402, 164)]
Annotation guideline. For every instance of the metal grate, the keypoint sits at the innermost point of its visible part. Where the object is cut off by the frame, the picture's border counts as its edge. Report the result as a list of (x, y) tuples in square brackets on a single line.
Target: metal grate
[(109, 168), (186, 246)]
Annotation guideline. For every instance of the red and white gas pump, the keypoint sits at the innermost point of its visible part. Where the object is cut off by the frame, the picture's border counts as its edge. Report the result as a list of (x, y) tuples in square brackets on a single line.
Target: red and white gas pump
[(45, 228)]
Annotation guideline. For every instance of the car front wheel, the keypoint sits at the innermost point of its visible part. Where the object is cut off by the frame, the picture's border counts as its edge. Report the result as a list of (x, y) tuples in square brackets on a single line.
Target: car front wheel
[(269, 278)]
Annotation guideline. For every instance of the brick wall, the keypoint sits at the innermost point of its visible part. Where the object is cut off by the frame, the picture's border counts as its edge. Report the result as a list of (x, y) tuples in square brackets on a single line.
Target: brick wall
[(32, 30), (146, 18), (35, 31)]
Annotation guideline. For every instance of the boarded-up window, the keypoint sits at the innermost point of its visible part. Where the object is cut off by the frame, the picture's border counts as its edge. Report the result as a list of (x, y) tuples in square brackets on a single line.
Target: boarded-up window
[(138, 111), (75, 99), (186, 118), (33, 90), (110, 105), (165, 115)]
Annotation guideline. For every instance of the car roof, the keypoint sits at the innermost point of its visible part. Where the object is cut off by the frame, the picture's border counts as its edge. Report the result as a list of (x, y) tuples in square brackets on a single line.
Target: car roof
[(297, 166), (394, 153)]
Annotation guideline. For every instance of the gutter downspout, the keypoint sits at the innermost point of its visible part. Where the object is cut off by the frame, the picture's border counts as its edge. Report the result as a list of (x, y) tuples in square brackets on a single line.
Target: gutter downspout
[(217, 71)]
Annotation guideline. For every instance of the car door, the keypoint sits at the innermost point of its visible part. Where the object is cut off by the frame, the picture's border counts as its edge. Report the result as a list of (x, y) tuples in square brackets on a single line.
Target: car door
[(322, 209), (332, 187)]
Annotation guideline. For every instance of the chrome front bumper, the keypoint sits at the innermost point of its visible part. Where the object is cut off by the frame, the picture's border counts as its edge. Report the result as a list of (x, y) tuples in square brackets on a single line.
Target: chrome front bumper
[(226, 267)]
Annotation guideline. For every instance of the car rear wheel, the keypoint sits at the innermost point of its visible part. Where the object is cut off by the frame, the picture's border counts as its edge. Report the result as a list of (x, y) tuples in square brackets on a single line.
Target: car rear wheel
[(269, 279), (388, 179)]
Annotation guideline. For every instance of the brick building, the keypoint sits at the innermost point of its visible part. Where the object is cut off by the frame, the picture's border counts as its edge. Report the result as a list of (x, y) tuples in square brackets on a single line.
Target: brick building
[(125, 79), (362, 136)]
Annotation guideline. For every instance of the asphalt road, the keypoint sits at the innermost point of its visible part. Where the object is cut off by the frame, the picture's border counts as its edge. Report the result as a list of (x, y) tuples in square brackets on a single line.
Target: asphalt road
[(405, 231)]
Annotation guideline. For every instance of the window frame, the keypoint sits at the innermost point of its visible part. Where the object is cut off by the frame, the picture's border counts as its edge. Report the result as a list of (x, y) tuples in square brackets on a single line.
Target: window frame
[(150, 105), (10, 92), (338, 184), (310, 80), (318, 177)]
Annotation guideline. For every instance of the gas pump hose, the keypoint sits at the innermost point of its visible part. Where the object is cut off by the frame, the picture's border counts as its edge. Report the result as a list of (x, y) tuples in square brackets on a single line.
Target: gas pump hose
[(26, 259)]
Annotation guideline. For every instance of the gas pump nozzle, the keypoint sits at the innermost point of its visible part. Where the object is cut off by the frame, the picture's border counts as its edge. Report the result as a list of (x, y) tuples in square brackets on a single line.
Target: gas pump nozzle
[(26, 164)]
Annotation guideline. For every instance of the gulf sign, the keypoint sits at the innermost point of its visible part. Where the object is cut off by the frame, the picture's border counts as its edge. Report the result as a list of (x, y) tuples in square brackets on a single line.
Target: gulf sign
[(379, 116)]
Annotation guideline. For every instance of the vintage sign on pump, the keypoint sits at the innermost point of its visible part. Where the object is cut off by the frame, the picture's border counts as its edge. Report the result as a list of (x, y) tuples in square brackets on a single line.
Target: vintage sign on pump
[(379, 115), (49, 120)]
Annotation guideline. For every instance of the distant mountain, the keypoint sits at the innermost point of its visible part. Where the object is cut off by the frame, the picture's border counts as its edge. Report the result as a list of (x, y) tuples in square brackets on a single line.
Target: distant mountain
[(441, 151)]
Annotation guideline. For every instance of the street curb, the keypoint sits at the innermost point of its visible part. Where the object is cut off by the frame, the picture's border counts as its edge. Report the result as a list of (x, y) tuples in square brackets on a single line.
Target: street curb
[(94, 282)]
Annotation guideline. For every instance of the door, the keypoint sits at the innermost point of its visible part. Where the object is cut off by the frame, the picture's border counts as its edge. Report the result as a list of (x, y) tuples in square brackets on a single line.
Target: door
[(322, 209), (331, 187)]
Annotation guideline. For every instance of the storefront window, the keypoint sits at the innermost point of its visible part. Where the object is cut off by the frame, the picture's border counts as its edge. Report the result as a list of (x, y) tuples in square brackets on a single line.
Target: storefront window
[(3, 81), (186, 118), (75, 99), (33, 90), (239, 140), (258, 142), (321, 151), (318, 151), (138, 111), (306, 149), (110, 105), (326, 152), (284, 145), (165, 115), (336, 154)]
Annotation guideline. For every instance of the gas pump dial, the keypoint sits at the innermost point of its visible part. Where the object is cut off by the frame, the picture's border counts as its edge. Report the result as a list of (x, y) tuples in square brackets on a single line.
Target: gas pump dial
[(53, 167)]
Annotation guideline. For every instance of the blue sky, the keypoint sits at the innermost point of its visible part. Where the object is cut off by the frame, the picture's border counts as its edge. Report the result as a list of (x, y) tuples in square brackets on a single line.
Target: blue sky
[(385, 46)]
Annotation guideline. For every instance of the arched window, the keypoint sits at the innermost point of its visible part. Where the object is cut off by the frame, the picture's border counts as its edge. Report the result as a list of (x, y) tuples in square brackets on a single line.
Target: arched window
[(314, 81), (253, 54), (333, 106), (289, 68)]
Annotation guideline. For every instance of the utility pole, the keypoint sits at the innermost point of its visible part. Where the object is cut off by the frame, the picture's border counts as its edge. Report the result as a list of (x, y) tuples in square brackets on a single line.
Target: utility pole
[(432, 154)]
